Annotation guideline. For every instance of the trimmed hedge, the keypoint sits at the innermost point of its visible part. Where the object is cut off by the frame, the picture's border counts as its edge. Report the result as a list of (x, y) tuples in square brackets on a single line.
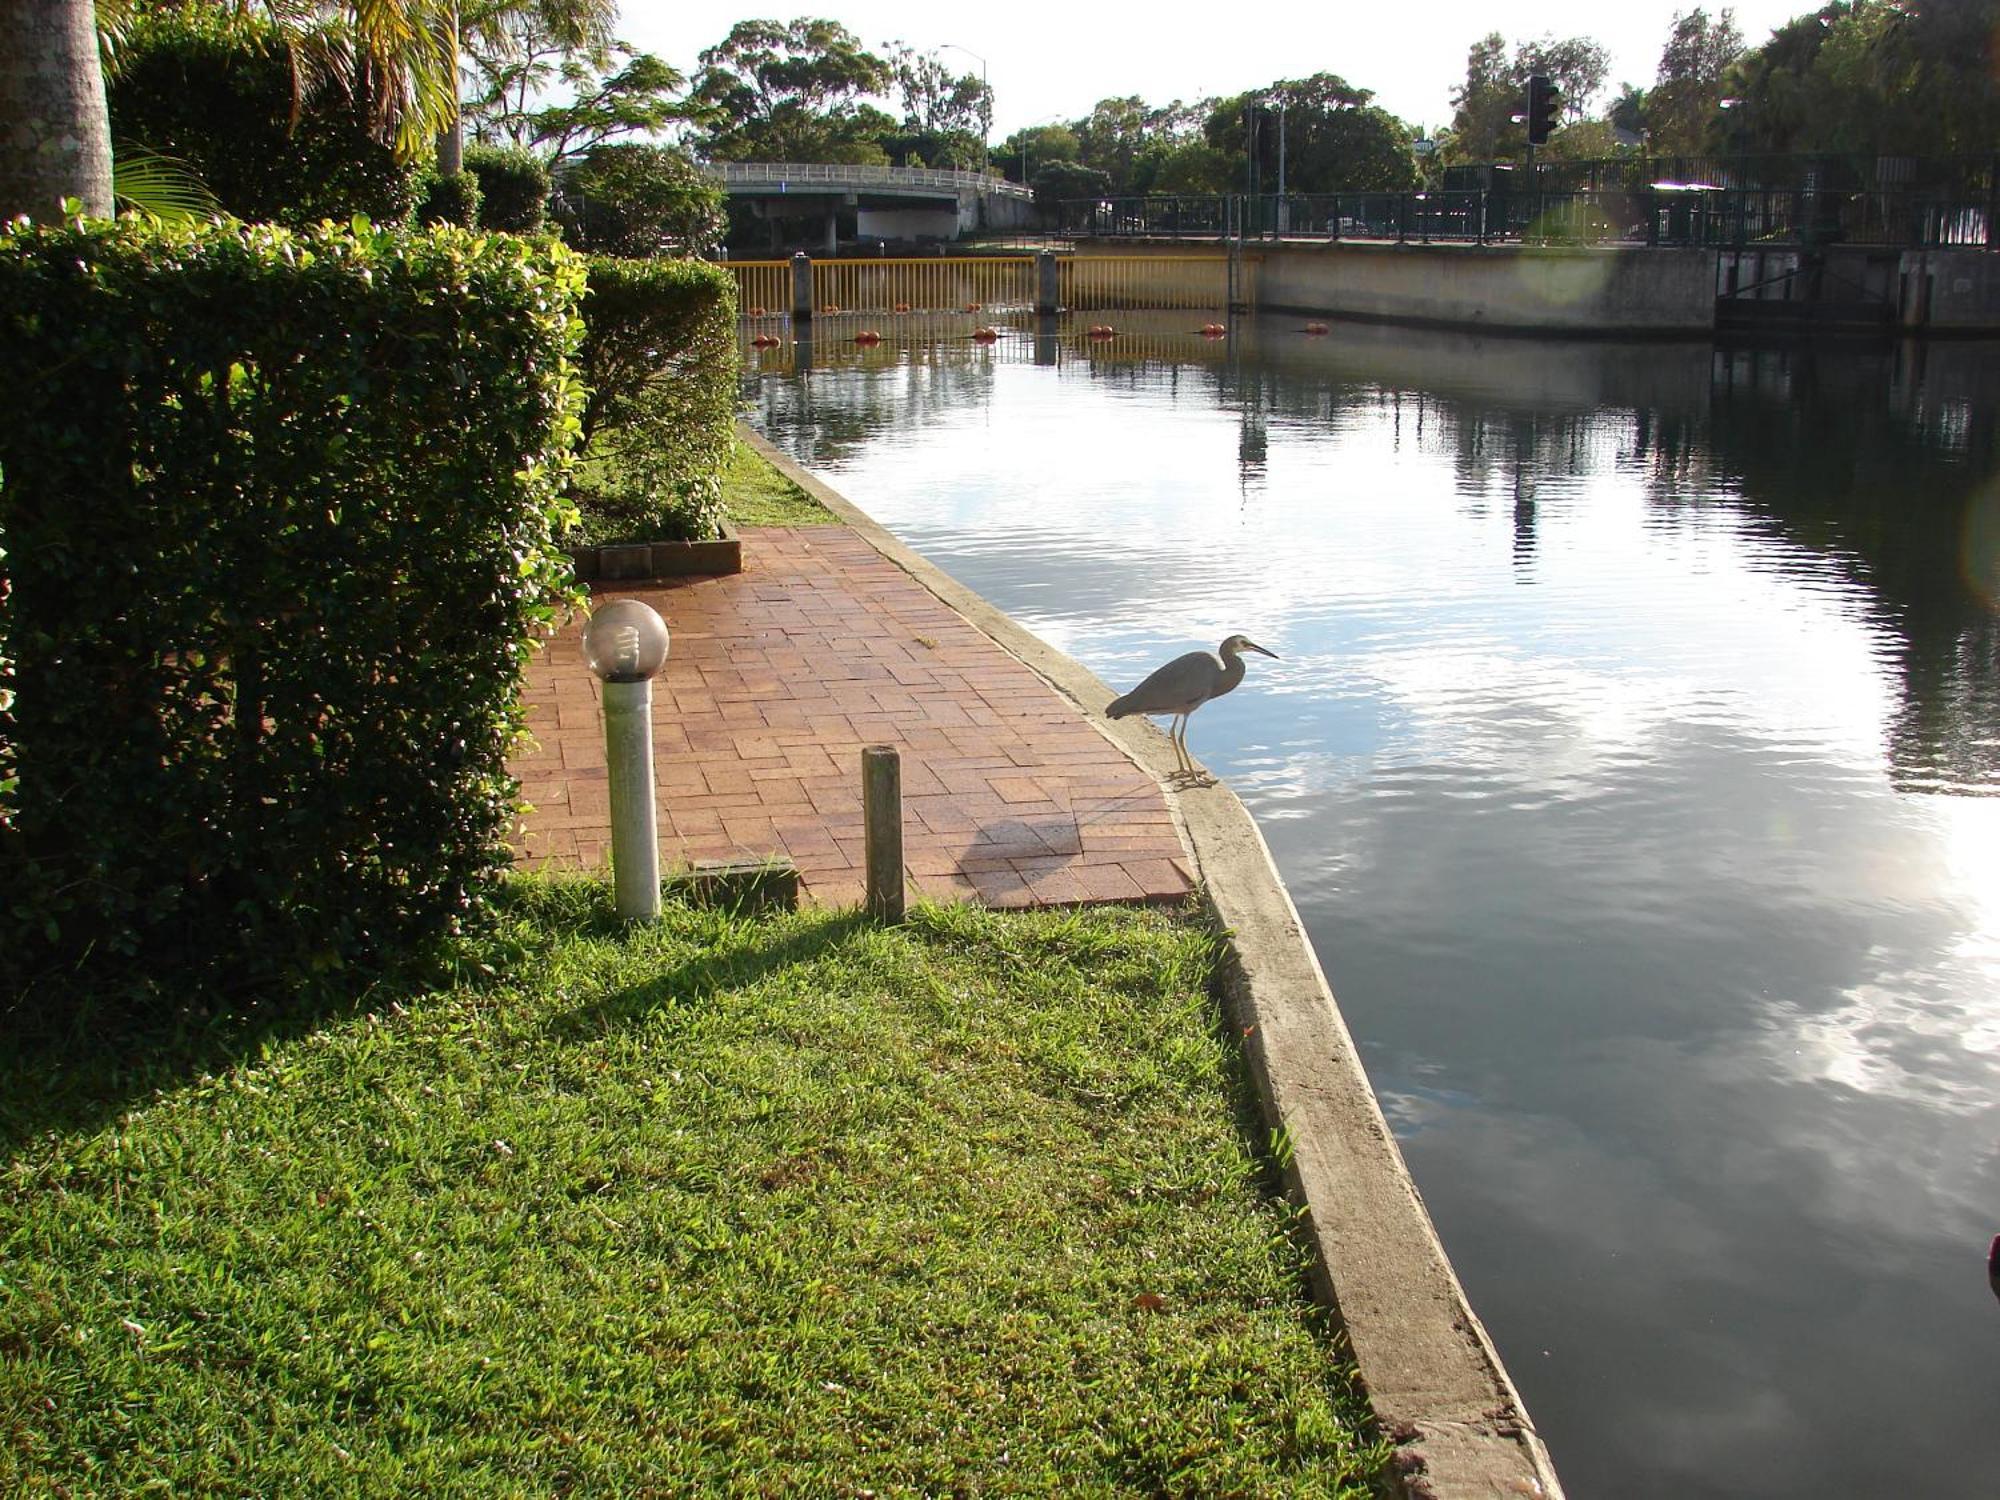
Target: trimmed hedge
[(281, 514), (216, 89), (659, 355), (513, 186), (452, 199)]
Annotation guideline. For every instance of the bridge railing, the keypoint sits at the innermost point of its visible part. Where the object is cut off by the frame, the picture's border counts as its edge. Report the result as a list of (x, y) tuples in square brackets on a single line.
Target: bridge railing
[(834, 174)]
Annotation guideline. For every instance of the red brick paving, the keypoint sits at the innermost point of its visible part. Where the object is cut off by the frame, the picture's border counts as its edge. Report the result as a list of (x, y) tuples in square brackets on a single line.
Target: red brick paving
[(778, 676)]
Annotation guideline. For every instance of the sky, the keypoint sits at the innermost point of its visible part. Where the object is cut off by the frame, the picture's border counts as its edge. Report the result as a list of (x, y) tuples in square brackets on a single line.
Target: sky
[(1054, 61)]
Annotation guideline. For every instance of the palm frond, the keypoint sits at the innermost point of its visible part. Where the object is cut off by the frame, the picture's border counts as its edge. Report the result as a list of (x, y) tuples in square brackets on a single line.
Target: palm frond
[(164, 188)]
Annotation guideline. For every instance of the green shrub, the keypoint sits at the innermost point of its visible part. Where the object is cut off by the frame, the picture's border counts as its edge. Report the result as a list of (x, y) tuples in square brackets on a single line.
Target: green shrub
[(639, 201), (217, 90), (659, 355), (513, 186), (452, 199), (281, 514)]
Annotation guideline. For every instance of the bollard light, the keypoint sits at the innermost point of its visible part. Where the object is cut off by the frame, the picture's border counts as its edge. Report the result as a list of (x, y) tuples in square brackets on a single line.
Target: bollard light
[(625, 645), (626, 641)]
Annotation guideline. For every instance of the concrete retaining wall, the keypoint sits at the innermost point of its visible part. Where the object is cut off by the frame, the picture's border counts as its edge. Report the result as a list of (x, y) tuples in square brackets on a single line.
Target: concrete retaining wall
[(1950, 291), (1510, 287)]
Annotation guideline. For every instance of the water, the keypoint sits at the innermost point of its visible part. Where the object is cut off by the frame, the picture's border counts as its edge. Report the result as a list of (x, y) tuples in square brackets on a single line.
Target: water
[(1633, 759)]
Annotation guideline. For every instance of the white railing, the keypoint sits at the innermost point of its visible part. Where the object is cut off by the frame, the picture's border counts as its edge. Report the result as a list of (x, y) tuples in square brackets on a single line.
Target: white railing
[(761, 173)]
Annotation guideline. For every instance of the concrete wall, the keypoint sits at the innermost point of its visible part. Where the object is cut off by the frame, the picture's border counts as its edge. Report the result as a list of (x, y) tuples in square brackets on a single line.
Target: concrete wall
[(1951, 291), (1579, 291), (925, 222)]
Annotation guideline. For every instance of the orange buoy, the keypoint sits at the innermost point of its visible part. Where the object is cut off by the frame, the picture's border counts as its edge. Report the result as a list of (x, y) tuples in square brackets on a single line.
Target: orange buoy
[(829, 309), (868, 336), (1102, 331), (756, 312), (1316, 328), (902, 307), (1214, 331), (765, 341), (984, 334), (972, 307)]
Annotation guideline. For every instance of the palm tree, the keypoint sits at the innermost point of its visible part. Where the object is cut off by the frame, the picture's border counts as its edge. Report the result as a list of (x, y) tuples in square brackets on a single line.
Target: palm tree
[(399, 58), (55, 135)]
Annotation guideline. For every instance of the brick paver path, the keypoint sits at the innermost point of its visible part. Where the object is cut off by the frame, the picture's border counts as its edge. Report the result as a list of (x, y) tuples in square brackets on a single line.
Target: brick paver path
[(778, 676)]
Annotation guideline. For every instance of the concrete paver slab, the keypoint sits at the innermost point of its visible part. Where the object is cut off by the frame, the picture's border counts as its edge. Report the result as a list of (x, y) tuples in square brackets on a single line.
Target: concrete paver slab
[(778, 675)]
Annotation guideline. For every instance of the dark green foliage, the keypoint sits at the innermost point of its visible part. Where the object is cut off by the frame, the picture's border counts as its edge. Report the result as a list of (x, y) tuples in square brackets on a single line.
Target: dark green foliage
[(453, 199), (217, 91), (638, 201), (1336, 139), (513, 187), (659, 355), (280, 514)]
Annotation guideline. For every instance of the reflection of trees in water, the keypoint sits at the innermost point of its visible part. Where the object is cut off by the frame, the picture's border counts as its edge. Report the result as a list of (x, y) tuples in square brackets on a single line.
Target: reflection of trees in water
[(1869, 460), (1876, 460), (853, 397)]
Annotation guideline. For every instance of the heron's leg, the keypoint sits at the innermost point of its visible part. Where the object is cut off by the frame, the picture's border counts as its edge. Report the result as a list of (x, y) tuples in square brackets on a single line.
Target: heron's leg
[(1180, 743)]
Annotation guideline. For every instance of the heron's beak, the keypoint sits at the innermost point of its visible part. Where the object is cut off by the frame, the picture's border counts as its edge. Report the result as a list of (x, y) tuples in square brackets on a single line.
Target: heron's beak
[(1253, 646)]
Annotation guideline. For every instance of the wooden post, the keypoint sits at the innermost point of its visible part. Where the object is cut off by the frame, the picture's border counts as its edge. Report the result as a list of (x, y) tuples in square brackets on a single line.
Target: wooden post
[(882, 815)]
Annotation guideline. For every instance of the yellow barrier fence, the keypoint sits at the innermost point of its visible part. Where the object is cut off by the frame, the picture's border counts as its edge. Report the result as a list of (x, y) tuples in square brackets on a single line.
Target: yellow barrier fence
[(763, 287), (996, 284), (1121, 281), (959, 284)]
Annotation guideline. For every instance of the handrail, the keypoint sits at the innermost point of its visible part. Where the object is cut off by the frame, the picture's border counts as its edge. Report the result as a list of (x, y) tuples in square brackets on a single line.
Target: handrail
[(865, 176)]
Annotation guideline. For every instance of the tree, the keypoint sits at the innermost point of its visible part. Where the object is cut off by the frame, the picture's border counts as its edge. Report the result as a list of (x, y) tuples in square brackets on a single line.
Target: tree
[(639, 201), (1870, 78), (613, 92), (1335, 139), (1687, 95), (1576, 65), (1626, 114), (937, 101), (513, 45), (55, 133), (1057, 181), (1495, 90), (792, 92), (1483, 107), (1034, 145)]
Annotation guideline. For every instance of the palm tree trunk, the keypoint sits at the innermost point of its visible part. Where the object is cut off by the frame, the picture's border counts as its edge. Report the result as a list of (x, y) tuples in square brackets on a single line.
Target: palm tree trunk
[(451, 139), (55, 134)]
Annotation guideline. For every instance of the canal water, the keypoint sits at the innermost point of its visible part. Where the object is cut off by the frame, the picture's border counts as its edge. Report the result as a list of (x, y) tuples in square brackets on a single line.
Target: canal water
[(1634, 759)]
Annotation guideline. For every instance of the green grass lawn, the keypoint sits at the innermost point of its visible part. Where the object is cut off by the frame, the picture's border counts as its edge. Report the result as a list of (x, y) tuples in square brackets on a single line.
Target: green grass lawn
[(785, 1205), (756, 494)]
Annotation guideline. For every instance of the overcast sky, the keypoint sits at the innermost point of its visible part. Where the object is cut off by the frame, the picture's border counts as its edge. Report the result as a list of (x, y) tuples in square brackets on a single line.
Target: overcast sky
[(1045, 59)]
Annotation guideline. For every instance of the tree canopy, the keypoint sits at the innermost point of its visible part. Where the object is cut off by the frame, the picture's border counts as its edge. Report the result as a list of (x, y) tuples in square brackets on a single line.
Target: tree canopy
[(1869, 77), (1335, 138), (792, 91), (1484, 126)]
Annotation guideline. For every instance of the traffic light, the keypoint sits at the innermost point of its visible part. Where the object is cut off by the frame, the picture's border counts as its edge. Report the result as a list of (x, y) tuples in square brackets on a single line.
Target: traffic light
[(1542, 102)]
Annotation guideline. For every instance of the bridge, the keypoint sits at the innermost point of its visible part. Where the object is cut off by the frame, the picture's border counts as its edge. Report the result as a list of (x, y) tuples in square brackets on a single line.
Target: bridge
[(887, 203)]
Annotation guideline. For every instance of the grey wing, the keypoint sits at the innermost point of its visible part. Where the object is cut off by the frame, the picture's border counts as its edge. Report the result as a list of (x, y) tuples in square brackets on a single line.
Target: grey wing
[(1182, 684)]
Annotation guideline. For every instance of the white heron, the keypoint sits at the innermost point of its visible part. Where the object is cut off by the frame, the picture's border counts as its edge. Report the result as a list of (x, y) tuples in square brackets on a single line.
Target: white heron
[(1183, 685)]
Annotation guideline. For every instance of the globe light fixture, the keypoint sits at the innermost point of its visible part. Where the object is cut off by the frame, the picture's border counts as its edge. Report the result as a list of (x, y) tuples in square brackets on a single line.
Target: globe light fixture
[(625, 645), (625, 641)]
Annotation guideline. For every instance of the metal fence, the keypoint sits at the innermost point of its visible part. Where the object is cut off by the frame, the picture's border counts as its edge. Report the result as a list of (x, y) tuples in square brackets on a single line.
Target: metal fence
[(763, 287), (1662, 213), (1106, 282)]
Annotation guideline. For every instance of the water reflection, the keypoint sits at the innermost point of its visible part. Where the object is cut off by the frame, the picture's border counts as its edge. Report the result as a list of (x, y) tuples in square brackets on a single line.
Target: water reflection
[(1631, 761)]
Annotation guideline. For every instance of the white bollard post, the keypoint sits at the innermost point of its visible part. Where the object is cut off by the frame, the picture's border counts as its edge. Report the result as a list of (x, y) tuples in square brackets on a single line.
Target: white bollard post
[(625, 644)]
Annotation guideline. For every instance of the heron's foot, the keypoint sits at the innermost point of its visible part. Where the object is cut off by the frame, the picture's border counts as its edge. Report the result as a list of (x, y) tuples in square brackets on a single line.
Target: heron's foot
[(1190, 778)]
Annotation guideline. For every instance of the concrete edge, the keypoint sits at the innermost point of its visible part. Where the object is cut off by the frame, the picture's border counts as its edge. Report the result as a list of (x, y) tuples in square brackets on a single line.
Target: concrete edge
[(1432, 1374)]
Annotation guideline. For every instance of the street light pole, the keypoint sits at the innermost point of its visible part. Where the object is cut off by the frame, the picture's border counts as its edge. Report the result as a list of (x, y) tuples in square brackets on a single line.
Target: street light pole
[(986, 117)]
